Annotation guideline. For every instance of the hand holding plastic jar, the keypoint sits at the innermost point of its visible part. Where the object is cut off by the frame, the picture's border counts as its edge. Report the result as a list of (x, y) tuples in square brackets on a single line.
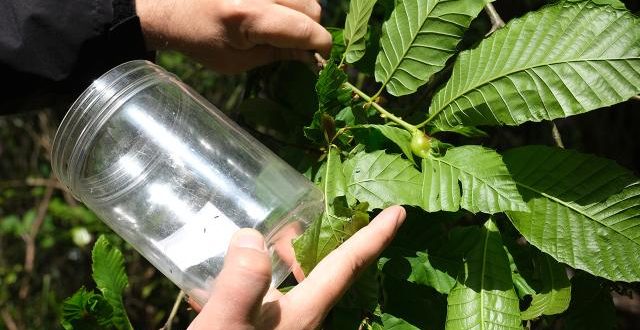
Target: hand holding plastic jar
[(175, 178)]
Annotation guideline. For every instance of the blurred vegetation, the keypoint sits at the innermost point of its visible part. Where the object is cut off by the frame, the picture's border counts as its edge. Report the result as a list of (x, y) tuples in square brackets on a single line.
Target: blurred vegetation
[(46, 236)]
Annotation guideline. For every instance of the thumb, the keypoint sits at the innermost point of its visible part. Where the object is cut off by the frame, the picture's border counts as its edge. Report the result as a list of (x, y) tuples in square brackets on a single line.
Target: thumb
[(238, 290)]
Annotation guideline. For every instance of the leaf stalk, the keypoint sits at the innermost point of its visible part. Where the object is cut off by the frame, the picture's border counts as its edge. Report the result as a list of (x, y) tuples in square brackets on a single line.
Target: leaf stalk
[(496, 21), (386, 114), (424, 123), (555, 133)]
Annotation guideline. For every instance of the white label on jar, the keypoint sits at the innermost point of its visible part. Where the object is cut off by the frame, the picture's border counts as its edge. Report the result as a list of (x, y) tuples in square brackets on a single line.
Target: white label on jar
[(206, 235)]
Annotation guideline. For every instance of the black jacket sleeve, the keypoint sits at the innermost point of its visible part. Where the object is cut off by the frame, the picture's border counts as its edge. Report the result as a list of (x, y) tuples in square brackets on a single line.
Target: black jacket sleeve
[(51, 50)]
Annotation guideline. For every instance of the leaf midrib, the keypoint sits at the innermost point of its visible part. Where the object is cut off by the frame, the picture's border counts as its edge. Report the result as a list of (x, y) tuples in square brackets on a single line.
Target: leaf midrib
[(482, 290), (350, 41), (326, 206), (377, 180), (477, 177), (406, 50), (502, 75), (575, 209)]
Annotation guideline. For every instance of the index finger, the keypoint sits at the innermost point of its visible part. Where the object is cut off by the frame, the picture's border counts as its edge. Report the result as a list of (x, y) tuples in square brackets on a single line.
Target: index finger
[(310, 8), (332, 276), (284, 27)]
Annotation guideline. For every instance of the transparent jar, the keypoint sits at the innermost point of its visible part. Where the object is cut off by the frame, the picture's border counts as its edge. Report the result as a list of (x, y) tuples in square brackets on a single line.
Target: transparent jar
[(175, 177)]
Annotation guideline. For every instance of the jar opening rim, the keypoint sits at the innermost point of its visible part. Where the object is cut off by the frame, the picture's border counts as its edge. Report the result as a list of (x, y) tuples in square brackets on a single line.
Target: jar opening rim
[(88, 112)]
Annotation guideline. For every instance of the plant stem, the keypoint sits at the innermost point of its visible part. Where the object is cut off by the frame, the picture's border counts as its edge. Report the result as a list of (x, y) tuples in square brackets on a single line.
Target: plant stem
[(30, 239), (377, 94), (344, 57), (422, 124), (8, 320), (371, 100), (379, 108), (174, 311), (321, 61), (556, 135), (637, 97), (33, 182), (496, 20)]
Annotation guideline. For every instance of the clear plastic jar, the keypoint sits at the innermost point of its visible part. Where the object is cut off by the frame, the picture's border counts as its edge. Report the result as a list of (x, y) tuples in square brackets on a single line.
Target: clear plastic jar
[(174, 177)]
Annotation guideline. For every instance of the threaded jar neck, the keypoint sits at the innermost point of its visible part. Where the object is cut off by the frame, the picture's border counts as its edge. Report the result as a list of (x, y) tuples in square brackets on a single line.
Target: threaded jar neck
[(90, 111)]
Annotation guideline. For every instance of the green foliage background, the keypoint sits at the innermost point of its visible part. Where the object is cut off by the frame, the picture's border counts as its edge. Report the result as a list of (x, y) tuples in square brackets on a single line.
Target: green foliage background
[(416, 273)]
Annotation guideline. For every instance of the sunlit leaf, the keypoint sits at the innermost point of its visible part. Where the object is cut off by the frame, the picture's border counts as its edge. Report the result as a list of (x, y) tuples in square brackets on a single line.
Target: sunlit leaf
[(563, 60), (391, 322), (485, 183), (382, 179), (332, 97), (613, 3), (401, 137), (554, 289), (355, 28), (484, 298), (337, 222), (585, 210), (419, 38), (111, 279), (337, 38), (86, 310)]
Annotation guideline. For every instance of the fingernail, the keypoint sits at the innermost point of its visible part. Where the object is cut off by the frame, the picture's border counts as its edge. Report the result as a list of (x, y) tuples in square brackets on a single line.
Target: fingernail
[(402, 215), (250, 239)]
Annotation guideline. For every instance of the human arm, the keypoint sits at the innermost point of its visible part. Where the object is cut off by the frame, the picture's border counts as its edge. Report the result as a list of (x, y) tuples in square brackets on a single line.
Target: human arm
[(57, 48), (231, 36)]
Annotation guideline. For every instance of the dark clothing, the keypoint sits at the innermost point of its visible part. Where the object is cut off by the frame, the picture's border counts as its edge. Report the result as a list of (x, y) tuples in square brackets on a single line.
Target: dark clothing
[(51, 50)]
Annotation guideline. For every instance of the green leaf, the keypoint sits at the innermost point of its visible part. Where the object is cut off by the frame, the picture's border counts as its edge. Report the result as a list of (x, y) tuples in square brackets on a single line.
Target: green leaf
[(523, 288), (265, 116), (585, 210), (563, 60), (362, 295), (344, 318), (467, 131), (428, 273), (391, 322), (86, 310), (591, 305), (423, 272), (399, 136), (292, 86), (330, 230), (111, 279), (382, 179), (484, 298), (307, 247), (332, 180), (414, 304), (520, 261), (360, 301), (332, 95), (617, 4), (367, 64), (555, 290), (486, 183), (337, 37), (355, 28), (425, 255), (418, 39)]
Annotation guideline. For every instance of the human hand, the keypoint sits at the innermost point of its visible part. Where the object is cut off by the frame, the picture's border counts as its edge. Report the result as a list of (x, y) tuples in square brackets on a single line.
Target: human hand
[(231, 36), (242, 299)]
